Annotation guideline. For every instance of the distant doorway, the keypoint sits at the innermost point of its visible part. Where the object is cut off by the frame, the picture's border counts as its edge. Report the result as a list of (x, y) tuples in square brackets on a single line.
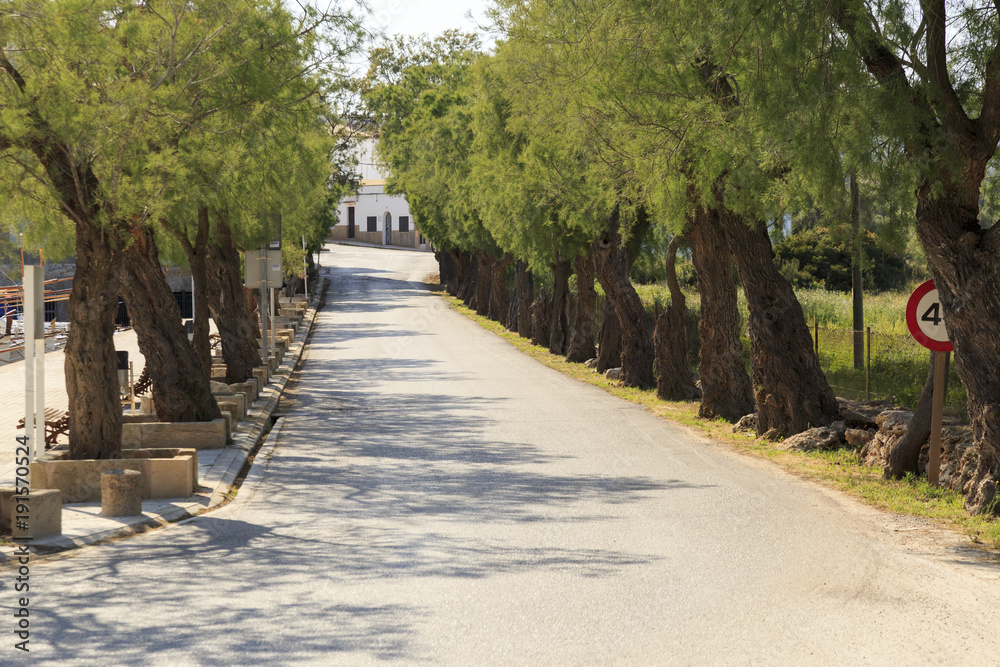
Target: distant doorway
[(388, 229), (350, 222)]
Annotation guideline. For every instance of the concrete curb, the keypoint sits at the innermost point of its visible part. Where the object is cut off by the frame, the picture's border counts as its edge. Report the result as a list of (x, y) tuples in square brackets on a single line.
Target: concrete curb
[(252, 434)]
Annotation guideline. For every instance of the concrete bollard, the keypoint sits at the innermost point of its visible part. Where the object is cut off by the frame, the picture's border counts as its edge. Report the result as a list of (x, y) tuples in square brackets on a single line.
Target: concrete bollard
[(121, 492)]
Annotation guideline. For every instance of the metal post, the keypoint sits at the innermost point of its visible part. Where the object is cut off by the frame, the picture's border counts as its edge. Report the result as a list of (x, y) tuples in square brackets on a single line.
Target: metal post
[(274, 311), (305, 269), (264, 351), (33, 308), (131, 388)]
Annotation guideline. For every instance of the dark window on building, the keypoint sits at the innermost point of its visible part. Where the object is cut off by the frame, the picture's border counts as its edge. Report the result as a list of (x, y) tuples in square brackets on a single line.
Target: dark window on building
[(350, 222), (404, 223), (423, 241), (372, 223), (185, 304)]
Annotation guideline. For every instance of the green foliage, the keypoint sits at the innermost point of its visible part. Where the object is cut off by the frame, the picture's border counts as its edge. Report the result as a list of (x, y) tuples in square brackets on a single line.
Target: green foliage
[(818, 258)]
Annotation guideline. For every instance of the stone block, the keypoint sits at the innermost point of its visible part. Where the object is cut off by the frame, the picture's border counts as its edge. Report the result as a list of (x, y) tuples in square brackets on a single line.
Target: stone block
[(146, 405), (235, 403), (248, 389), (121, 493), (273, 363), (44, 514), (227, 416), (80, 480), (132, 435), (261, 374), (287, 335), (193, 435), (164, 469)]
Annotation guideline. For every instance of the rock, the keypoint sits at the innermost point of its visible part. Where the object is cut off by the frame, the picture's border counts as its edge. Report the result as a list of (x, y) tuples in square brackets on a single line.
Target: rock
[(891, 426), (591, 363), (859, 437), (613, 374), (746, 423), (823, 438), (220, 388), (862, 415), (771, 434)]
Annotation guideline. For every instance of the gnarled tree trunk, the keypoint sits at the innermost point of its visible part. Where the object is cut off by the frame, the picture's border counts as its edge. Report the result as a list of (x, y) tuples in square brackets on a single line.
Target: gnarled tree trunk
[(581, 345), (674, 380), (791, 392), (195, 253), (725, 386), (525, 296), (609, 351), (95, 415), (499, 299), (558, 320), (181, 390), (470, 273), (965, 264), (231, 309), (484, 282), (540, 319), (446, 266), (612, 267)]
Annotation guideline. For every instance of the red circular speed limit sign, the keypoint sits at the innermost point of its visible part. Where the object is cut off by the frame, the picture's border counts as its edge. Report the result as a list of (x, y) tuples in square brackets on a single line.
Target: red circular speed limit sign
[(925, 318)]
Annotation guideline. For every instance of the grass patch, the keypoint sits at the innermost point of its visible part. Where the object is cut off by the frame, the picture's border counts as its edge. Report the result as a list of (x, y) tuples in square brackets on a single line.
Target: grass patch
[(839, 469)]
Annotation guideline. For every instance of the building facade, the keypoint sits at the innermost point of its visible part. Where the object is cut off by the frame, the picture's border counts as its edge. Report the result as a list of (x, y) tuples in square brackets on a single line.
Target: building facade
[(372, 216)]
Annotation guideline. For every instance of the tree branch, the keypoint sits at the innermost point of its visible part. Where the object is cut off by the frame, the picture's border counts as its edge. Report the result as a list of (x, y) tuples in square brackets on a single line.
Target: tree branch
[(937, 65)]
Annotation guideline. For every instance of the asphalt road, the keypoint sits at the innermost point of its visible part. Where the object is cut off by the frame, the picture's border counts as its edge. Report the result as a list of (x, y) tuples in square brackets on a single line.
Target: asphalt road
[(436, 497)]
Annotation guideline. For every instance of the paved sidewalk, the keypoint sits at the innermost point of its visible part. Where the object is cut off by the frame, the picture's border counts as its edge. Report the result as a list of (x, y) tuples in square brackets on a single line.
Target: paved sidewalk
[(218, 469)]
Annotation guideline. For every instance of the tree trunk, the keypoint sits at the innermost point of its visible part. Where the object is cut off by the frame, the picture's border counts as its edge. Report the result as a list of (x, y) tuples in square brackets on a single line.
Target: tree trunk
[(609, 352), (446, 266), (725, 386), (540, 319), (499, 299), (196, 259), (792, 394), (457, 274), (581, 345), (612, 266), (525, 296), (965, 264), (470, 272), (904, 456), (484, 282), (515, 301), (558, 321), (674, 380), (95, 411), (180, 389), (231, 309)]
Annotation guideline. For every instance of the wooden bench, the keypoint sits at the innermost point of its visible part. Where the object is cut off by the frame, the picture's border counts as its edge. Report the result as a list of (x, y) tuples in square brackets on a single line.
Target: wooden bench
[(56, 424)]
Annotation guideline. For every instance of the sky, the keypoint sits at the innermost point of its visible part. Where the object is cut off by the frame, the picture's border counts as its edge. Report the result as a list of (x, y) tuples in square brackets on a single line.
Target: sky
[(413, 17)]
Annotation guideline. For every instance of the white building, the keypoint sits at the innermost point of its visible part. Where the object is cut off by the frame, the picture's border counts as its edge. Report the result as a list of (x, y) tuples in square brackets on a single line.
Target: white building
[(372, 216)]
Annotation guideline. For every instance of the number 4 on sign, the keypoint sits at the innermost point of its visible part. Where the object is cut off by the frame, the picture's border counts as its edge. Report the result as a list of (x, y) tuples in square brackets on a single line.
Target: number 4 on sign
[(933, 315)]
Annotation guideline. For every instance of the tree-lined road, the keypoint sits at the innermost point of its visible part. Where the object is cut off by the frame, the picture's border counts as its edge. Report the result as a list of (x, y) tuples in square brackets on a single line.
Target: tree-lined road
[(437, 497)]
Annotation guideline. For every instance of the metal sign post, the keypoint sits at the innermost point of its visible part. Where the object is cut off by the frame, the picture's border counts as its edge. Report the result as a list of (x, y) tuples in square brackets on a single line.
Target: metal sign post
[(34, 357), (263, 269), (305, 269), (925, 319)]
